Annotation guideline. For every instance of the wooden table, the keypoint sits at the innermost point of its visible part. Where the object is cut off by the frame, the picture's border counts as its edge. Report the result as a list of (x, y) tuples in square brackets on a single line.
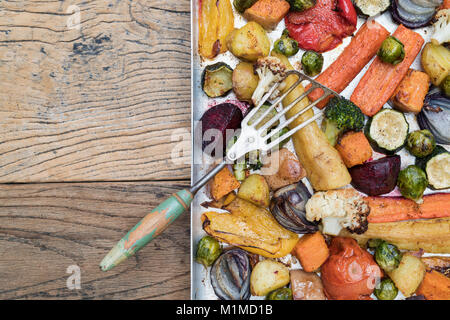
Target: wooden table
[(89, 116)]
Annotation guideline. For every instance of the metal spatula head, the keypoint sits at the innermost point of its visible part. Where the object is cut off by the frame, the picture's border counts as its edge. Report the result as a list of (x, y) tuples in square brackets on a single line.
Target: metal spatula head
[(255, 136)]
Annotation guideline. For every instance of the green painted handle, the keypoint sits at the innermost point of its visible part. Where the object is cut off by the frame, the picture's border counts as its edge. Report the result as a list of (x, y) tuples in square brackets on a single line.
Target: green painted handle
[(148, 228)]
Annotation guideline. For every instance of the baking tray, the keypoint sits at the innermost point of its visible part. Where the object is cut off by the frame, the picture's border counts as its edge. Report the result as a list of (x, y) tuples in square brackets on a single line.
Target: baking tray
[(200, 281)]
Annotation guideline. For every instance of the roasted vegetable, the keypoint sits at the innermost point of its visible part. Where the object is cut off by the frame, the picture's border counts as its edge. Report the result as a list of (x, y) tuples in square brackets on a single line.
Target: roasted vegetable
[(312, 63), (288, 208), (280, 294), (445, 86), (268, 13), (301, 5), (230, 275), (216, 21), (441, 26), (370, 8), (412, 182), (410, 14), (354, 148), (216, 80), (391, 51), (214, 124), (381, 79), (435, 286), (436, 168), (250, 227), (350, 273), (435, 116), (270, 70), (222, 184), (306, 286), (208, 250), (410, 93), (286, 45), (438, 263), (249, 42), (430, 235), (266, 119), (436, 62), (312, 251), (242, 5), (376, 177), (324, 167), (387, 256), (387, 131), (281, 169), (420, 143), (408, 275), (391, 209), (343, 208), (362, 48), (341, 115), (268, 275), (386, 290), (244, 81), (255, 189)]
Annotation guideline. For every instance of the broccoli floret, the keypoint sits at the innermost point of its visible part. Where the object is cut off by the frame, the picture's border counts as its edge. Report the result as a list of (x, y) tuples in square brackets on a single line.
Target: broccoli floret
[(341, 115)]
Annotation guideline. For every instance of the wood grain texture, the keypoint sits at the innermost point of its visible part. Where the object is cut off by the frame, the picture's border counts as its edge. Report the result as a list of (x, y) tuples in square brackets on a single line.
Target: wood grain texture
[(98, 103), (44, 228)]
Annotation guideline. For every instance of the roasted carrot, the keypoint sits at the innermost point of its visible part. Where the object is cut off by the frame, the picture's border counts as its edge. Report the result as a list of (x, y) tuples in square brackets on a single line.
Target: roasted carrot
[(363, 46), (445, 4), (391, 209), (435, 286), (381, 79)]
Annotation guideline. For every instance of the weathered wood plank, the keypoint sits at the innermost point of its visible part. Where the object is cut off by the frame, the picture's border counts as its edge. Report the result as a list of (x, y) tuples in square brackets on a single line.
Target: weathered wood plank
[(45, 228), (98, 103)]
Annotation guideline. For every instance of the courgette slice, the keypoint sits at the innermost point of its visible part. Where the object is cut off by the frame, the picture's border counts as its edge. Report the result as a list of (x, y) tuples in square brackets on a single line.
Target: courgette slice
[(370, 8), (387, 131), (436, 167), (217, 80)]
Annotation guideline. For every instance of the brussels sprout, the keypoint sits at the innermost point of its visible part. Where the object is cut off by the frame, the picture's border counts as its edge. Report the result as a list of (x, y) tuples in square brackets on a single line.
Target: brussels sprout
[(386, 290), (387, 256), (391, 51), (286, 45), (301, 5), (312, 63), (280, 294), (412, 182), (242, 5), (420, 143), (445, 86), (208, 250)]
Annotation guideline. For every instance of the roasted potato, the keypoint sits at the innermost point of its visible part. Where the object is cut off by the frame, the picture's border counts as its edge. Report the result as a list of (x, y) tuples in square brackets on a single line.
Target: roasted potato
[(436, 62), (268, 275), (409, 274), (256, 190), (245, 81), (431, 235), (251, 228), (249, 42)]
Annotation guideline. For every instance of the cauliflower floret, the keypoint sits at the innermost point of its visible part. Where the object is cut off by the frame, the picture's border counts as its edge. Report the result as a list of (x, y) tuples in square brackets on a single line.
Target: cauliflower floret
[(442, 27), (338, 209), (270, 70)]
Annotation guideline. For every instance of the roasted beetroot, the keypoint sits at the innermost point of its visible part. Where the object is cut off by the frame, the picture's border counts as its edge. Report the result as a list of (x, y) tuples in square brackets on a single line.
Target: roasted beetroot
[(376, 177), (219, 118)]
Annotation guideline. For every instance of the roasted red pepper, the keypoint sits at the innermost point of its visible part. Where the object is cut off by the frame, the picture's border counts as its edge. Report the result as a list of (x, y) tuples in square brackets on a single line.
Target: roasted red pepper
[(322, 27), (346, 9)]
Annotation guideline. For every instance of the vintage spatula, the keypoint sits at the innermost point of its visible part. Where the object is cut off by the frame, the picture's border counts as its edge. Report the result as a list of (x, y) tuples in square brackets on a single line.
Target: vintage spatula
[(251, 138)]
